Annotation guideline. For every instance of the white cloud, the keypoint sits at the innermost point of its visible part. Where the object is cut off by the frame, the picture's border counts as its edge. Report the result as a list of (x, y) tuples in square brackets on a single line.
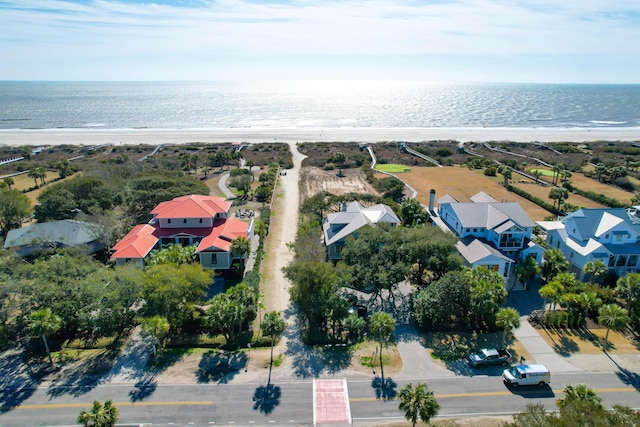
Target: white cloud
[(50, 31)]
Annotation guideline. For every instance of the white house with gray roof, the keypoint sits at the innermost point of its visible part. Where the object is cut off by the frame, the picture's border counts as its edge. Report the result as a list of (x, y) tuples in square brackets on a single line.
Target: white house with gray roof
[(492, 234), (609, 235), (338, 226)]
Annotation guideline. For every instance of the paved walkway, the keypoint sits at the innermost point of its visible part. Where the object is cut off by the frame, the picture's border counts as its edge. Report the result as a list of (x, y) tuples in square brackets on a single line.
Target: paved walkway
[(539, 349), (416, 360), (131, 366), (222, 185)]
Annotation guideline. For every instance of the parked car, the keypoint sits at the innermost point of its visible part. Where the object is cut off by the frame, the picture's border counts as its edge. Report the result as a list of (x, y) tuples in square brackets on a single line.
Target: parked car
[(490, 356)]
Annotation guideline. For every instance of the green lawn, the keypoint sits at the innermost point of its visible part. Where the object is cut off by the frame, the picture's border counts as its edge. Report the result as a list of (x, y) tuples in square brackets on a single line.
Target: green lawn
[(543, 172), (392, 168)]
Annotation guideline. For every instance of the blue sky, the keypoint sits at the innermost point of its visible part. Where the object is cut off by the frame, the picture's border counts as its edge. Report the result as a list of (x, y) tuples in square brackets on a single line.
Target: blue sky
[(581, 41)]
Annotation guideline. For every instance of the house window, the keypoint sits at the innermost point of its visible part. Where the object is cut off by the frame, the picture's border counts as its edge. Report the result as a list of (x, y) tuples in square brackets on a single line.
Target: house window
[(633, 261), (184, 220), (214, 258), (622, 261), (611, 260), (571, 254), (606, 236), (338, 249), (551, 240), (468, 230), (169, 221), (618, 237), (184, 241), (200, 221)]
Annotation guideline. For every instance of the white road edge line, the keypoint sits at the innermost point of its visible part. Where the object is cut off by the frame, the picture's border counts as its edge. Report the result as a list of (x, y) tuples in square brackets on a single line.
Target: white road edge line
[(314, 401), (346, 400)]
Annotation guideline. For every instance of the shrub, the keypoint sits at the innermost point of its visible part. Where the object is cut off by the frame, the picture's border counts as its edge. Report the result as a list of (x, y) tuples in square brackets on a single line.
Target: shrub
[(600, 198), (625, 184)]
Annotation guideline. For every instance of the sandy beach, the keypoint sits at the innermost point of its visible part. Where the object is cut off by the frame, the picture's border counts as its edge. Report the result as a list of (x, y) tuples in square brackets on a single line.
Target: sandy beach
[(287, 135)]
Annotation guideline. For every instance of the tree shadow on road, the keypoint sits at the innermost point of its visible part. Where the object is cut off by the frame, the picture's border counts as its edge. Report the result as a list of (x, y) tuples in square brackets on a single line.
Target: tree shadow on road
[(266, 398), (629, 377), (18, 380), (384, 387), (82, 377), (626, 376), (220, 367), (143, 388)]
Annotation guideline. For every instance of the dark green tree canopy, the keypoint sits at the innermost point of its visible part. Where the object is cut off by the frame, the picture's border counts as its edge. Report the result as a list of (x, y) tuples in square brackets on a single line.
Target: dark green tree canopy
[(88, 193), (14, 207)]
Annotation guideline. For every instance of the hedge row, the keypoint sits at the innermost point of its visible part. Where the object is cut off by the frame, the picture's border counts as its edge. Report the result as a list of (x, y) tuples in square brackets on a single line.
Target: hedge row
[(600, 198), (534, 199)]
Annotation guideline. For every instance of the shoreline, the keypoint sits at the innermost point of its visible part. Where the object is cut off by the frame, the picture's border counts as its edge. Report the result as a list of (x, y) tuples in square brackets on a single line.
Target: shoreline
[(14, 137)]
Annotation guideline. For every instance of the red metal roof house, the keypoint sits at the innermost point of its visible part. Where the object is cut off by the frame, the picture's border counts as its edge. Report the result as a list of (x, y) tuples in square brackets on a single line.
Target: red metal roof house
[(187, 220)]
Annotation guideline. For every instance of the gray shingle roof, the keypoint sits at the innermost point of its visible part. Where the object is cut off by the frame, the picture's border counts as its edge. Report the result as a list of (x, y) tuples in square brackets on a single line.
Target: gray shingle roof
[(595, 222), (354, 217), (61, 233), (489, 215)]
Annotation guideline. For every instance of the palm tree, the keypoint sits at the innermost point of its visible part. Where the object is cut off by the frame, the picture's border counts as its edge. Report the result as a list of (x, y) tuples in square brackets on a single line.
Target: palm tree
[(241, 246), (272, 326), (382, 326), (557, 169), (536, 174), (42, 175), (595, 270), (63, 168), (558, 195), (527, 270), (42, 323), (554, 263), (99, 415), (157, 327), (507, 175), (9, 181), (566, 179), (600, 169), (508, 319), (33, 174), (551, 291), (579, 393), (418, 402), (613, 317)]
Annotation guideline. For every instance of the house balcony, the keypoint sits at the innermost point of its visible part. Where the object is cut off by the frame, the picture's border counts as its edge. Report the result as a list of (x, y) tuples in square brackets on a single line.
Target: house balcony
[(510, 244)]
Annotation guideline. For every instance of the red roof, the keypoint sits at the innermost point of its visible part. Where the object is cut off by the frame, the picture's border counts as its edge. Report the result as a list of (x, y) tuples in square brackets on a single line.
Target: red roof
[(142, 238), (226, 233), (136, 244), (192, 206)]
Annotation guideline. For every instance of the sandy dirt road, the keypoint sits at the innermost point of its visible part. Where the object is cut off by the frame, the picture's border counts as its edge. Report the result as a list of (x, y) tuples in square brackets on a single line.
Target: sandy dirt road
[(284, 223)]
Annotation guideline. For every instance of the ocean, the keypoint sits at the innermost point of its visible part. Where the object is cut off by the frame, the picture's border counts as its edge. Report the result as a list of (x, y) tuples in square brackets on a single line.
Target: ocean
[(306, 104)]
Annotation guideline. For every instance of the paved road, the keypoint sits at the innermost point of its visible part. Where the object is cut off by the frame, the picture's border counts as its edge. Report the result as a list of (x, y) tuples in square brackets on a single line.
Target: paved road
[(291, 403)]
